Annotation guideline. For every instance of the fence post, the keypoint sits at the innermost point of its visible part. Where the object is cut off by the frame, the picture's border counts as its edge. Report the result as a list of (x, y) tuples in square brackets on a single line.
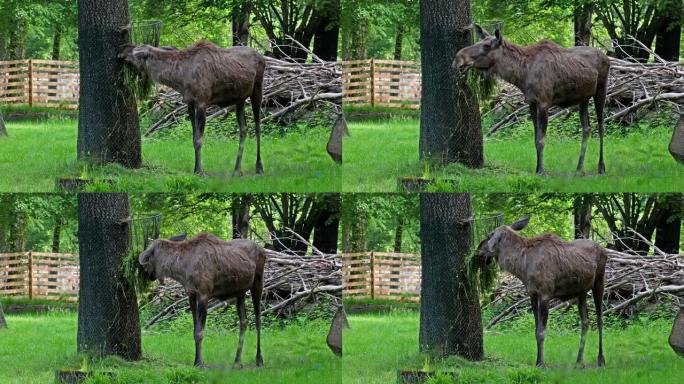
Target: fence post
[(30, 275), (372, 270), (30, 78), (372, 86)]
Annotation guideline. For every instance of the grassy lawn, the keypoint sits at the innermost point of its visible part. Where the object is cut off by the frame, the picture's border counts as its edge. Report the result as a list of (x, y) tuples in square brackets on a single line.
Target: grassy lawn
[(35, 346), (37, 152), (379, 152), (377, 345)]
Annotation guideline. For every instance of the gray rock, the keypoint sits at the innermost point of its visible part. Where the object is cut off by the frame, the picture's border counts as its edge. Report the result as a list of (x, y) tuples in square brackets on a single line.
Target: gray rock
[(677, 142), (677, 336)]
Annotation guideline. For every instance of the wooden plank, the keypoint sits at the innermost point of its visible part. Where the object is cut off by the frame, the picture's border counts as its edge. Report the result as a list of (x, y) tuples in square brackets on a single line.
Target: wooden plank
[(43, 98), (14, 69), (55, 62), (53, 105), (8, 292), (44, 69)]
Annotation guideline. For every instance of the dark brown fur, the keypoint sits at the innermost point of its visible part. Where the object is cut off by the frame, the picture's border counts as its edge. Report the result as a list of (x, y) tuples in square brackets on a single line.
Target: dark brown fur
[(206, 75), (548, 75), (551, 268), (209, 267)]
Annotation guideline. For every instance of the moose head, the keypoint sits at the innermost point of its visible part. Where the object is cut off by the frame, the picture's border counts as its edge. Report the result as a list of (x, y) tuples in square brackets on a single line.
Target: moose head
[(481, 55), (488, 250)]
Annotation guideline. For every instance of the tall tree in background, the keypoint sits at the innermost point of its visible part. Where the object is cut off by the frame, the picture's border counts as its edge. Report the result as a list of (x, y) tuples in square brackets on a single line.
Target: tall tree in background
[(108, 127), (355, 223), (450, 128), (326, 229), (326, 36), (668, 35), (240, 211), (668, 227), (450, 319), (108, 321), (581, 208), (240, 21), (3, 129), (582, 21)]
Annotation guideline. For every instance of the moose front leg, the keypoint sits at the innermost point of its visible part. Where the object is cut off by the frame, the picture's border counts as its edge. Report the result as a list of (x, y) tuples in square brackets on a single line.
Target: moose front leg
[(198, 116), (586, 130), (540, 136), (200, 322), (542, 317), (242, 124), (242, 315)]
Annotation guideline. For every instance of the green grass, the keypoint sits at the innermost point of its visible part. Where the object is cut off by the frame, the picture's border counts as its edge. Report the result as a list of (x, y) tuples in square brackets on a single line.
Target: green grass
[(377, 345), (378, 153), (37, 152), (35, 346)]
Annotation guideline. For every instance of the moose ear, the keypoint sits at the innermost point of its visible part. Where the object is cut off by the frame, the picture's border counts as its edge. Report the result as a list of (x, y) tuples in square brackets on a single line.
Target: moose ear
[(493, 240), (521, 223), (179, 237), (144, 257), (481, 32), (497, 33)]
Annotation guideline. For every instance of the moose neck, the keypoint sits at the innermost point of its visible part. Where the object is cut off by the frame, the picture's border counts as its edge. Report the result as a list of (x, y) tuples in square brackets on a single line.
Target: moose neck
[(171, 264), (164, 70), (511, 256), (510, 64)]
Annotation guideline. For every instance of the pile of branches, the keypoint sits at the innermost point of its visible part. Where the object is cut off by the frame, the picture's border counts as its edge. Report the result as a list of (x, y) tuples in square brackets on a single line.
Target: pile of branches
[(289, 86), (290, 281), (634, 88), (632, 280)]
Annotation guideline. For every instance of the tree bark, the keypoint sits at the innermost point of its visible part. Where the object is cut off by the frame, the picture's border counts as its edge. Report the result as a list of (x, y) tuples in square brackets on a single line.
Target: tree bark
[(326, 230), (398, 234), (108, 321), (450, 128), (450, 319), (398, 41), (240, 22), (56, 42), (57, 234), (669, 34), (582, 207), (582, 22), (3, 129), (326, 36), (240, 213), (668, 228), (108, 126), (3, 322)]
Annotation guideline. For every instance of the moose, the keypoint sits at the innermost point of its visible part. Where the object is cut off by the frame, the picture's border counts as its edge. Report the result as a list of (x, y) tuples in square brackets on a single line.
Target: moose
[(208, 267), (548, 75), (206, 75), (550, 268)]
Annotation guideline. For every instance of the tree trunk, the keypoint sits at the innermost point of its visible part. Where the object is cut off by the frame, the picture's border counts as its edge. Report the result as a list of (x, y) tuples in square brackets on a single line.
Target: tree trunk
[(240, 209), (398, 234), (326, 36), (56, 234), (450, 128), (3, 323), (582, 22), (108, 127), (669, 224), (108, 322), (582, 206), (326, 229), (56, 42), (398, 41), (358, 42), (17, 232), (17, 40), (450, 320), (3, 129), (669, 34), (240, 23)]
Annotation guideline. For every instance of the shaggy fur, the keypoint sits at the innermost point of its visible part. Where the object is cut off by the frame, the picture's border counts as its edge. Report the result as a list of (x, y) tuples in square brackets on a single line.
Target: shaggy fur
[(208, 267), (204, 75), (551, 268), (548, 75)]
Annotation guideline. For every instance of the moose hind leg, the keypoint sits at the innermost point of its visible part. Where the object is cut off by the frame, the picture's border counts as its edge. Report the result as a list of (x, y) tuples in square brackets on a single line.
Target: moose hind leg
[(255, 100), (584, 318), (242, 315), (586, 131), (597, 292), (256, 302), (242, 124), (599, 102)]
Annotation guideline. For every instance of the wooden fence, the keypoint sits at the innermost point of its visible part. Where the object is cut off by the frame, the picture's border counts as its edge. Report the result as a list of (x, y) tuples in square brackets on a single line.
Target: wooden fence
[(385, 83), (379, 275), (40, 83), (36, 275)]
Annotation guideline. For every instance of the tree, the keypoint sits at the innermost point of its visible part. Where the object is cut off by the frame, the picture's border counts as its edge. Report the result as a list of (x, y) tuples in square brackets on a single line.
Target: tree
[(582, 208), (326, 36), (450, 128), (582, 22), (108, 127), (240, 209), (108, 321), (668, 227), (3, 322), (326, 229), (240, 22), (3, 129), (450, 319), (669, 33)]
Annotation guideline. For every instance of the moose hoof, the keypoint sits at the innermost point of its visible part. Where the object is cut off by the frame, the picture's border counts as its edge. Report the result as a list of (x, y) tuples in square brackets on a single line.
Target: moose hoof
[(601, 362), (260, 170), (237, 365), (260, 362), (237, 173)]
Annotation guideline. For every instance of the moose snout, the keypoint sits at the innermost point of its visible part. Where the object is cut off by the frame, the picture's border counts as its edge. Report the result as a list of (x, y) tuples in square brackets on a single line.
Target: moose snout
[(461, 62)]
